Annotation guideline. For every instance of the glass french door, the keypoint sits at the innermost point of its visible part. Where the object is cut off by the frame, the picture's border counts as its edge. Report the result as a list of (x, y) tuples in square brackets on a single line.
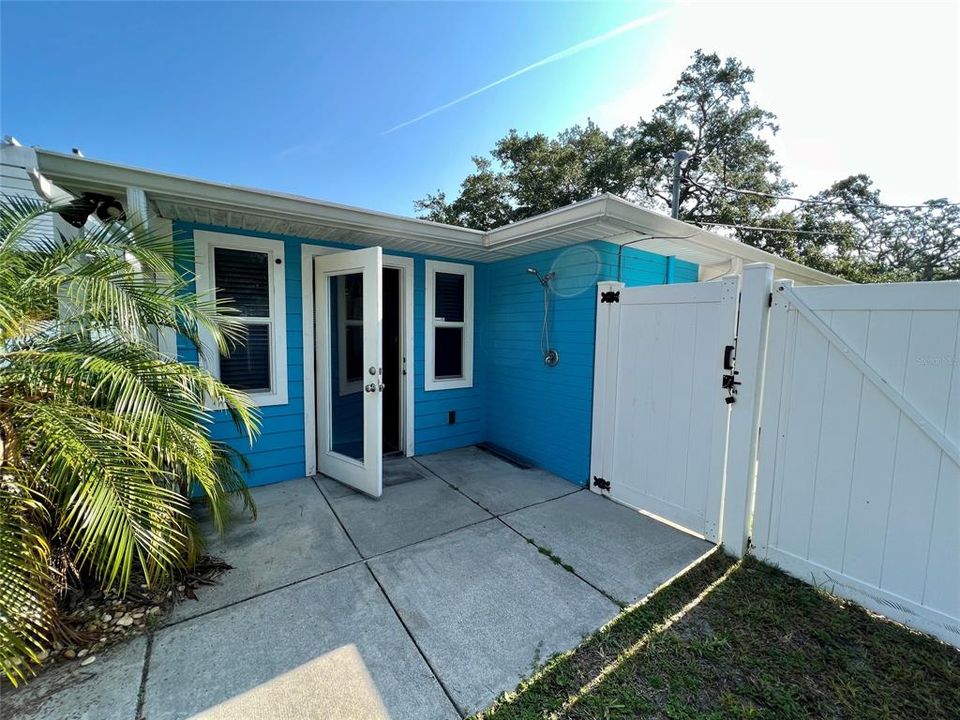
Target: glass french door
[(348, 292)]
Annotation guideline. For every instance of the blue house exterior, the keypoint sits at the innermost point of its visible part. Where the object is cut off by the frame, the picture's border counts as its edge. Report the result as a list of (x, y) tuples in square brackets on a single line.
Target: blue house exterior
[(543, 413), (537, 412), (509, 398)]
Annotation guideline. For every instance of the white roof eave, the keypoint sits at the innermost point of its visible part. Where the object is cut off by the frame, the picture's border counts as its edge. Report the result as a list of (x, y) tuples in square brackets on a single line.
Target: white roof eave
[(631, 222), (68, 169)]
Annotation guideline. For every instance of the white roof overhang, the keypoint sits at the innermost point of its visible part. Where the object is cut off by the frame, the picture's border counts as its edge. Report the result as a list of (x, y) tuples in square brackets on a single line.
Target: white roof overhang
[(605, 217)]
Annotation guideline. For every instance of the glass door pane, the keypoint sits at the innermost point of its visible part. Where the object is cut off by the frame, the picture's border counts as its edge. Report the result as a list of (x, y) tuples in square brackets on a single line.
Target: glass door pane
[(346, 364)]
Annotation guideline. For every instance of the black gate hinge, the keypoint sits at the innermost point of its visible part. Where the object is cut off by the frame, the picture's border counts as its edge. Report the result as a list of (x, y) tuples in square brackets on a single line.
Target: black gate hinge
[(770, 300), (610, 296), (599, 482)]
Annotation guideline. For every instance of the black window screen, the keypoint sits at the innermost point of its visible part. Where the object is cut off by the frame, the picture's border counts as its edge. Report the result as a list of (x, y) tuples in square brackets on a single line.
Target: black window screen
[(448, 296), (448, 352), (248, 366), (242, 276)]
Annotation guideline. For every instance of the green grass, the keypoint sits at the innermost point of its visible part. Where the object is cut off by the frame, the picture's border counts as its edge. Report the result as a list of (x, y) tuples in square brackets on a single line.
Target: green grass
[(759, 645), (553, 557)]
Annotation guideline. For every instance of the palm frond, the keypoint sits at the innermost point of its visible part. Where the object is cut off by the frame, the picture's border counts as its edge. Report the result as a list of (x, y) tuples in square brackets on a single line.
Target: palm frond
[(119, 505), (26, 596), (103, 439), (18, 214)]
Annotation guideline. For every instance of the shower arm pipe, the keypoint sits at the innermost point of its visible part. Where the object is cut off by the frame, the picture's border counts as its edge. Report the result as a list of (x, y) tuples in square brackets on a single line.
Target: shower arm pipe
[(649, 237)]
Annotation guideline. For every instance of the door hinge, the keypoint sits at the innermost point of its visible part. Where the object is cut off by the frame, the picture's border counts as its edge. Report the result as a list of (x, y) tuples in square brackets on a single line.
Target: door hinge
[(610, 296), (770, 300), (599, 482)]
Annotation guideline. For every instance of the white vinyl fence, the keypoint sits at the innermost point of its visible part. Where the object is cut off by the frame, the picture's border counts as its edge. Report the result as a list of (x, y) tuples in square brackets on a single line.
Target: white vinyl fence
[(858, 484), (835, 455)]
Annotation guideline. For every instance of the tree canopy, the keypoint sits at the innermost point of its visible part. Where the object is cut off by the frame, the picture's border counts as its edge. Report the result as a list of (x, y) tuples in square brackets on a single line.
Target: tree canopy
[(732, 182)]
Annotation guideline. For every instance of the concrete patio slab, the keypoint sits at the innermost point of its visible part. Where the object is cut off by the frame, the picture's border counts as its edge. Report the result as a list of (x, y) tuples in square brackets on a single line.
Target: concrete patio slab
[(486, 608), (494, 483), (622, 552), (405, 514), (329, 647), (295, 536), (104, 690)]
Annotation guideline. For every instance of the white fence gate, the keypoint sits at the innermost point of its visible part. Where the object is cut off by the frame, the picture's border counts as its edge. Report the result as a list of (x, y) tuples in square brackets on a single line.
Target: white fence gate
[(839, 460), (859, 471), (660, 416)]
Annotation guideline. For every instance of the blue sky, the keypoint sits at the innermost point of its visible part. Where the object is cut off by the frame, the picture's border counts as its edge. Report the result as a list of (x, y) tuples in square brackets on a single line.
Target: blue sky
[(297, 96)]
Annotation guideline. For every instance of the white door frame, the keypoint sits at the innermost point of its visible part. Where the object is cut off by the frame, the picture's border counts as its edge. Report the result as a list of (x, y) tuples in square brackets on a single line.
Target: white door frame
[(363, 471), (405, 265)]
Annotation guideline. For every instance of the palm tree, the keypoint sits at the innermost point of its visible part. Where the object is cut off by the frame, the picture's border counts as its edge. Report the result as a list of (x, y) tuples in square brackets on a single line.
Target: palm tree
[(104, 440)]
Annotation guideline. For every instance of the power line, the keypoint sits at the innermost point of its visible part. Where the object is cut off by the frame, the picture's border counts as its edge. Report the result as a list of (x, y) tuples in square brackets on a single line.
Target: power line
[(764, 229), (810, 201)]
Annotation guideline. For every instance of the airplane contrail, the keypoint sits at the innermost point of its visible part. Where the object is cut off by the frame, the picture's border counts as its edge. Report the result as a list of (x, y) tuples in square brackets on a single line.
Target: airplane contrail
[(573, 50)]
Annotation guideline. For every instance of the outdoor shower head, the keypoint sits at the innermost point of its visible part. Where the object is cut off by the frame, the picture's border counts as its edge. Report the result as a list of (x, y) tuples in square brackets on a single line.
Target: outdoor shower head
[(550, 356), (544, 279)]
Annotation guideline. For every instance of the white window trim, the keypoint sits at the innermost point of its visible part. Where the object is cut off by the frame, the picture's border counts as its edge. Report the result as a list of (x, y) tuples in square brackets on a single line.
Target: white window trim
[(430, 382), (347, 387), (205, 242)]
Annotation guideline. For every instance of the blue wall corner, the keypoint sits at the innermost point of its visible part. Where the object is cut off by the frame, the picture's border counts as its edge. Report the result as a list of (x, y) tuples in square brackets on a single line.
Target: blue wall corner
[(539, 412), (516, 401), (279, 453)]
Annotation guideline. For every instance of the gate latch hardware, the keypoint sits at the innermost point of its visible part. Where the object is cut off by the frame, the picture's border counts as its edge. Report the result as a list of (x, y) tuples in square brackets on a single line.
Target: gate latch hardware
[(730, 381), (729, 355), (729, 384), (610, 296), (599, 482)]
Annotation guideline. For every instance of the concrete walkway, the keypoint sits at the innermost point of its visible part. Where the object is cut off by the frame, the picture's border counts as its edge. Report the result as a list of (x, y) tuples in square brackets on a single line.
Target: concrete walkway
[(427, 603)]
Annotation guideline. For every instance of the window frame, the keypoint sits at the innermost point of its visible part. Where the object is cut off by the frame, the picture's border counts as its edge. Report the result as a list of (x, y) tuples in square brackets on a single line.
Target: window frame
[(205, 243), (431, 323)]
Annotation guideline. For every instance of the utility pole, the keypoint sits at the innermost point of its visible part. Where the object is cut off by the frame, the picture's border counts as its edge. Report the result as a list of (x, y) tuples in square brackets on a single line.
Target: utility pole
[(678, 157)]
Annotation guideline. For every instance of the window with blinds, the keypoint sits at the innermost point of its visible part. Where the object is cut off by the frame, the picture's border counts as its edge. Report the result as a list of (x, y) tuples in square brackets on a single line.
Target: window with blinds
[(449, 331), (242, 279), (247, 275)]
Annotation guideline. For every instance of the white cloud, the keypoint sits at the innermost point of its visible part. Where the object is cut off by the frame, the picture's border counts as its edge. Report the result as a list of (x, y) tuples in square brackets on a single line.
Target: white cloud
[(561, 55)]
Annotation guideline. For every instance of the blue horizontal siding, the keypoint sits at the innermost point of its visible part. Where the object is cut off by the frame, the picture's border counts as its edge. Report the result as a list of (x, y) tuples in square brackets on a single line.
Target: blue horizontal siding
[(542, 413), (279, 452)]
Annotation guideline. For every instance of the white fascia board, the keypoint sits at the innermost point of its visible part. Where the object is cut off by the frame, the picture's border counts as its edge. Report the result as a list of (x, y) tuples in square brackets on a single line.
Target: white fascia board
[(651, 223), (67, 168), (606, 208), (549, 223), (638, 222), (784, 268)]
